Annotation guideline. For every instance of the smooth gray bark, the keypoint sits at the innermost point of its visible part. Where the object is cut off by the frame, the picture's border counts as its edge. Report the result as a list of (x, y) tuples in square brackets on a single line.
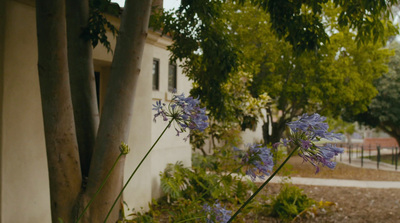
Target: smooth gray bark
[(61, 144), (116, 115), (83, 86)]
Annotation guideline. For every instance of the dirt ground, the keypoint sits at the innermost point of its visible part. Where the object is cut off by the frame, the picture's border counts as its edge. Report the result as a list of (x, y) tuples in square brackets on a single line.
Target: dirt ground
[(356, 205)]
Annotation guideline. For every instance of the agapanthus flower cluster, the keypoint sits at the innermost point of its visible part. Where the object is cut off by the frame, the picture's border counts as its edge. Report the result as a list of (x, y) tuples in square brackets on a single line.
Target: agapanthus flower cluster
[(216, 213), (257, 160), (307, 130), (185, 111)]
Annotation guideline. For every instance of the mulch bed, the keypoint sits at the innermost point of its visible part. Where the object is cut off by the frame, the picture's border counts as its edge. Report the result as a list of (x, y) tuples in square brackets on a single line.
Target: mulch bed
[(351, 204)]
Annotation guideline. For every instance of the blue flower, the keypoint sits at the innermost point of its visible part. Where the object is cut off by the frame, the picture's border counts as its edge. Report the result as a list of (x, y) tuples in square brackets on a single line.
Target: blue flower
[(314, 127), (258, 161), (307, 130), (185, 111), (216, 213)]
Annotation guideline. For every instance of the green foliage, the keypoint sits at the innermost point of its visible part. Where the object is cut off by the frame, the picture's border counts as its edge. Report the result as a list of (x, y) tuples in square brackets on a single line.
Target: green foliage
[(188, 189), (289, 203), (201, 42), (384, 110), (186, 210), (300, 22), (98, 24), (226, 133), (204, 38), (339, 74), (141, 216), (174, 180), (337, 77), (209, 163), (340, 126), (199, 184)]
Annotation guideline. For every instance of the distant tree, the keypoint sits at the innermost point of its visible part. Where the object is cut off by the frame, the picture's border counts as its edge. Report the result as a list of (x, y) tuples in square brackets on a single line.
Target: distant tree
[(338, 76), (384, 110)]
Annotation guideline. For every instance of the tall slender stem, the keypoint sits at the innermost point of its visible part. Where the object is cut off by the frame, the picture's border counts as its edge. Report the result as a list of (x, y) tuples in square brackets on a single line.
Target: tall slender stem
[(262, 186), (99, 189), (133, 173)]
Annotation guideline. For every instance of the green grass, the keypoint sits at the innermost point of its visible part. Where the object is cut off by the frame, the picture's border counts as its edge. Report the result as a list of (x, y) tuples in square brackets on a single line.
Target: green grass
[(387, 158)]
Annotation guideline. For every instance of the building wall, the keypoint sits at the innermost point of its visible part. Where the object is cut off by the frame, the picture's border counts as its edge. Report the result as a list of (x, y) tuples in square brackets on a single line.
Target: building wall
[(170, 147), (23, 175), (25, 194), (2, 45)]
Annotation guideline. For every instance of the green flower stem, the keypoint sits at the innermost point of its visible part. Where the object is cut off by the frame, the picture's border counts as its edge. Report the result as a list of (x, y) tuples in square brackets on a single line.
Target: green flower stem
[(190, 219), (99, 189), (133, 173), (262, 186)]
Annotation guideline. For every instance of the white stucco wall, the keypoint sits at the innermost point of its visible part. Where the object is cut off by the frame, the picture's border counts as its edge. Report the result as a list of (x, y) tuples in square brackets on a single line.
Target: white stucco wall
[(25, 194), (170, 148)]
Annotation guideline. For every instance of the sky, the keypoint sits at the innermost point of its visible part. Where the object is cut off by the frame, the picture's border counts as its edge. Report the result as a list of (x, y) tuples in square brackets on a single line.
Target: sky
[(168, 4)]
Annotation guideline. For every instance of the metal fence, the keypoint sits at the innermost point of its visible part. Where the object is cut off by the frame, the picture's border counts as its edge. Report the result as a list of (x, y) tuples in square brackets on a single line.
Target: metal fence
[(360, 154)]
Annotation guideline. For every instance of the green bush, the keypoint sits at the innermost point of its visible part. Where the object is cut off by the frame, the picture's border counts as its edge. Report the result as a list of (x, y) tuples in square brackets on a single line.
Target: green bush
[(290, 202)]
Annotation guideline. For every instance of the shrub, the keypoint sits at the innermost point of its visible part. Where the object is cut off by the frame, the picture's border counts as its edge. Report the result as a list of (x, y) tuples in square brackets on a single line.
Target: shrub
[(290, 202)]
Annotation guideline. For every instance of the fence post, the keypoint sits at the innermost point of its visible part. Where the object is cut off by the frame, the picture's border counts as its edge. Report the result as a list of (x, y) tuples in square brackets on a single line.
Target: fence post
[(362, 156), (378, 157), (397, 156), (392, 155), (349, 148)]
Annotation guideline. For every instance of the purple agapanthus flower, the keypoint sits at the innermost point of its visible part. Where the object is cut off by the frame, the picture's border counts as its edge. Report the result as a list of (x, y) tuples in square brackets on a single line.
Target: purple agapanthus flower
[(258, 161), (307, 130), (216, 213), (185, 111), (314, 126)]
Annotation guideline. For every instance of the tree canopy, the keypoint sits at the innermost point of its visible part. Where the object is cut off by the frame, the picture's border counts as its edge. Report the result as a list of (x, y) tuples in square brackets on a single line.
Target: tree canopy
[(203, 39), (384, 110), (337, 77)]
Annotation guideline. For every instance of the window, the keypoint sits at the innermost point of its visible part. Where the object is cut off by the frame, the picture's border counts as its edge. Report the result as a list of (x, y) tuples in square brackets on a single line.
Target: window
[(97, 81), (171, 77), (156, 74)]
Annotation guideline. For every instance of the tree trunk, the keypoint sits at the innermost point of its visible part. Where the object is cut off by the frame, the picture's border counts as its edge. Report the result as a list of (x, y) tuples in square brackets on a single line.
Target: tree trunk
[(61, 144), (277, 130), (83, 86), (116, 115), (265, 133)]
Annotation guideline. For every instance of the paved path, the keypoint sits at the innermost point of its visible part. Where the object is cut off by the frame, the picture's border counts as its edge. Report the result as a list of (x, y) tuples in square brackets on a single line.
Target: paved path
[(341, 183)]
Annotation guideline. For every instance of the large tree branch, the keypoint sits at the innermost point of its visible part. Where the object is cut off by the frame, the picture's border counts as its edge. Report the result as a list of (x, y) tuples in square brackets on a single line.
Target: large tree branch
[(61, 144), (388, 128), (117, 111), (83, 88)]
